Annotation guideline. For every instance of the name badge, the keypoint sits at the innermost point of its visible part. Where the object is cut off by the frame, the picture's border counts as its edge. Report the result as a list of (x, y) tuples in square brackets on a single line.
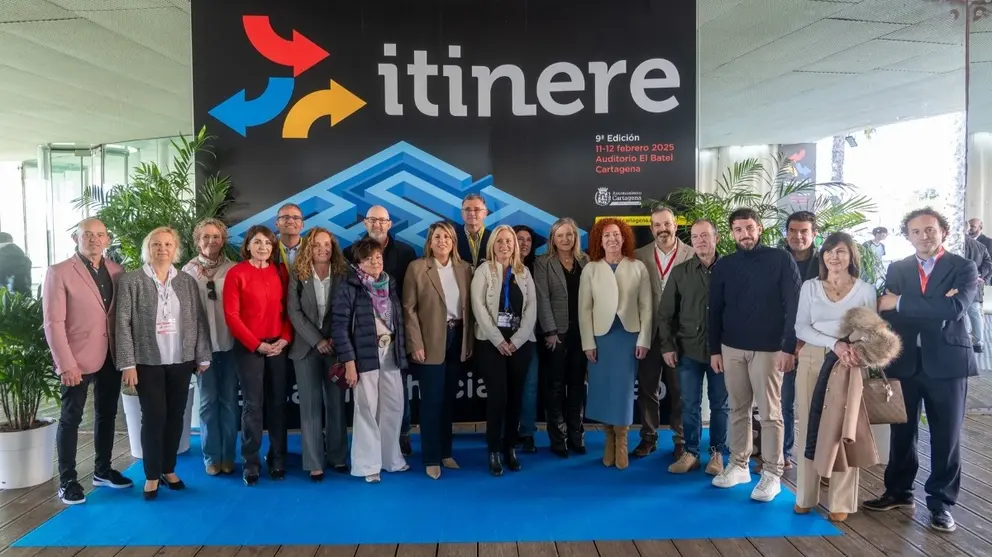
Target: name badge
[(506, 320), (166, 327)]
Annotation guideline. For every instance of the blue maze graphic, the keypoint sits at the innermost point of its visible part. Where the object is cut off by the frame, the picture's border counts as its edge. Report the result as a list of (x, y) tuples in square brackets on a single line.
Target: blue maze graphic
[(417, 188)]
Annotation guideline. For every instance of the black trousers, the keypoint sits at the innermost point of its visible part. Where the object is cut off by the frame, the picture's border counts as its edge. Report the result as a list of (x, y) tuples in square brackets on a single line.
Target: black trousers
[(263, 389), (504, 377), (944, 400), (162, 393), (566, 389), (438, 389), (106, 392)]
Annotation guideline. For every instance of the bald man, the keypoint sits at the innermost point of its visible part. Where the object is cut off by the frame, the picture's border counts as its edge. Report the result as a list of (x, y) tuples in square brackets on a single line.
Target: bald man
[(976, 230), (396, 257)]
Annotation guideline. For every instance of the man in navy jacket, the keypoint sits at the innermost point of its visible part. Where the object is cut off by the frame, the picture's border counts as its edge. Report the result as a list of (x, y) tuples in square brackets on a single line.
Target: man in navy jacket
[(926, 302)]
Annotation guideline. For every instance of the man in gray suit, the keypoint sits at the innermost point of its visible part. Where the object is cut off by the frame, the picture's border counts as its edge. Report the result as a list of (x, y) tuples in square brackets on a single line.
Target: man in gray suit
[(659, 257)]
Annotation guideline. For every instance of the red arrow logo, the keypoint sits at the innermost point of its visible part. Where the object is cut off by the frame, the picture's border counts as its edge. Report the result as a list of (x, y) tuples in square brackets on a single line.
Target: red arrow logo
[(300, 53)]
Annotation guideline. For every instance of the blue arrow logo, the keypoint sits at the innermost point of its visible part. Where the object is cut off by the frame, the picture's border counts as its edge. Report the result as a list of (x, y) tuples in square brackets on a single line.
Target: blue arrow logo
[(238, 113)]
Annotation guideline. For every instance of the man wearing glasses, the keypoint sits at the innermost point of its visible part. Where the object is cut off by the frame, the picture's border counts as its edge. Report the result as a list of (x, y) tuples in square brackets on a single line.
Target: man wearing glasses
[(396, 257), (78, 303), (473, 237), (289, 224)]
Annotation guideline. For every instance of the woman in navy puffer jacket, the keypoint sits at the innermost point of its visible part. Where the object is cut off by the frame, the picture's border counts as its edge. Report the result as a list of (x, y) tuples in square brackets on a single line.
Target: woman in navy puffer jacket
[(367, 329)]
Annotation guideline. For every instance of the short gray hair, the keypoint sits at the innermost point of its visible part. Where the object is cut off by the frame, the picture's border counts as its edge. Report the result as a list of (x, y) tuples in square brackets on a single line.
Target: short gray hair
[(146, 244), (473, 197)]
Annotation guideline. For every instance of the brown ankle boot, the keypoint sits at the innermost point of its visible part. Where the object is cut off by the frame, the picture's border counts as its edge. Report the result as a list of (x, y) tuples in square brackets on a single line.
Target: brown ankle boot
[(622, 457), (610, 451)]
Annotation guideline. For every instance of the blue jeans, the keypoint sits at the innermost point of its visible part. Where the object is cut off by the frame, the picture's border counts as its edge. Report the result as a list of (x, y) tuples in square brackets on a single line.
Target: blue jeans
[(976, 322), (219, 410), (788, 414), (691, 373), (528, 412)]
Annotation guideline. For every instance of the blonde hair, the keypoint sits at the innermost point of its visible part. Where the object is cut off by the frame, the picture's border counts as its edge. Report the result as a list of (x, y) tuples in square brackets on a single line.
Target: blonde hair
[(445, 226), (577, 252), (198, 230), (515, 260), (146, 244)]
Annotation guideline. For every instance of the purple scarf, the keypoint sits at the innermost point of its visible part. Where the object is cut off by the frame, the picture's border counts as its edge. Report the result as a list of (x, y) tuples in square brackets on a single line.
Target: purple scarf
[(378, 291)]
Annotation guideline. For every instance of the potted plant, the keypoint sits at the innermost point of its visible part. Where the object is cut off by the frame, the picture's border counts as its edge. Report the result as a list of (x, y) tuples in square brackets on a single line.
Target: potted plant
[(158, 197), (27, 378)]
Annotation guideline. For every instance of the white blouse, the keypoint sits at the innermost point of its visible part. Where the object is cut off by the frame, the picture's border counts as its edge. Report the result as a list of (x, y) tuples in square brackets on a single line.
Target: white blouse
[(320, 290), (819, 320), (450, 288), (167, 319)]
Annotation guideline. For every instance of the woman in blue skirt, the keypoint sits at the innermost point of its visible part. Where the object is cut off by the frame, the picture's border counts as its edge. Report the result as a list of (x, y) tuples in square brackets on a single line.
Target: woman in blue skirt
[(615, 325)]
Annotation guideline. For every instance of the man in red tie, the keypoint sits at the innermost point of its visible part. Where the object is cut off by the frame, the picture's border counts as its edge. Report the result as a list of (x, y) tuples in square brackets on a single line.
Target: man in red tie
[(926, 302)]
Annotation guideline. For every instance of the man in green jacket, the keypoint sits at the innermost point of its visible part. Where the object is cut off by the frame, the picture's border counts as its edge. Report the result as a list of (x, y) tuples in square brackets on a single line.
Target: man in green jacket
[(683, 315)]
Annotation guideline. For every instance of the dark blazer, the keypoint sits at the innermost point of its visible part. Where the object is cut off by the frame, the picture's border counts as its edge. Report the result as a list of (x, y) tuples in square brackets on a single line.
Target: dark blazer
[(465, 249), (301, 305), (353, 325), (936, 319), (985, 241), (552, 293), (979, 255)]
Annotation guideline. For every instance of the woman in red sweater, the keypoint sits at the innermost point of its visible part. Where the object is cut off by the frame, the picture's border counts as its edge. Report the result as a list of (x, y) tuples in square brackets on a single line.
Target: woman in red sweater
[(255, 310)]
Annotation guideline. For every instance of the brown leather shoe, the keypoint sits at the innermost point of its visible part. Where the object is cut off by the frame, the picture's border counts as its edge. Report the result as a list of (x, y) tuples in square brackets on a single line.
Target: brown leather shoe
[(610, 449), (643, 449), (227, 467), (622, 460), (679, 451), (213, 469), (838, 517), (800, 510)]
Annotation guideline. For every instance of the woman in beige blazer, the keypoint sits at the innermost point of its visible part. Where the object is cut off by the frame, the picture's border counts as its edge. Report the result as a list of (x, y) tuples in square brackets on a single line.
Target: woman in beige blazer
[(615, 318), (504, 303), (438, 320)]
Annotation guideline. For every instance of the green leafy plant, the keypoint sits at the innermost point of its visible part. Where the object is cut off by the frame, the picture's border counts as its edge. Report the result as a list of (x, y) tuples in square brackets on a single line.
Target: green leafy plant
[(774, 190), (27, 373), (161, 198)]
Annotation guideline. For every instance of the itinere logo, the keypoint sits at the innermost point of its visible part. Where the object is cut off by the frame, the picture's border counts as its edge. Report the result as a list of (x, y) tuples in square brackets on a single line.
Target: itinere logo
[(301, 54)]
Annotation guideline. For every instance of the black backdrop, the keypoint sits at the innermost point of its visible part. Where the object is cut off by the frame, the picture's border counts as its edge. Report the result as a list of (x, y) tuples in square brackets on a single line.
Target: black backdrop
[(601, 160)]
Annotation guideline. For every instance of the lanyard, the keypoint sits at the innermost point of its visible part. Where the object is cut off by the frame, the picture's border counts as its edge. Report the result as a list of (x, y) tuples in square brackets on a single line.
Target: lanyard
[(657, 261), (924, 277), (506, 290), (474, 246), (165, 296)]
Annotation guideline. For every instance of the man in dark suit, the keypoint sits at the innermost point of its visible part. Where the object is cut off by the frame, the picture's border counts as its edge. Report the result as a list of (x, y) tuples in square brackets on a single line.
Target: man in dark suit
[(926, 303), (979, 255), (976, 230), (473, 237), (396, 257), (15, 267)]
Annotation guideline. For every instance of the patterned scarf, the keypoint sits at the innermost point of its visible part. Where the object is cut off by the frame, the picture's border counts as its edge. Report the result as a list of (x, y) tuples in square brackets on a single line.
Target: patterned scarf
[(379, 292), (200, 266)]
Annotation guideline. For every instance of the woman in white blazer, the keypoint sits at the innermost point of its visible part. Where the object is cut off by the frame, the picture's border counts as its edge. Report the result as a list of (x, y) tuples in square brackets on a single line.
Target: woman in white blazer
[(504, 302), (615, 314)]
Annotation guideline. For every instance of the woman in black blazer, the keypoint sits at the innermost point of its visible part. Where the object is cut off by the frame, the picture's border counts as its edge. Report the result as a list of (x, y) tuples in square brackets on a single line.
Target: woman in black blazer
[(316, 274)]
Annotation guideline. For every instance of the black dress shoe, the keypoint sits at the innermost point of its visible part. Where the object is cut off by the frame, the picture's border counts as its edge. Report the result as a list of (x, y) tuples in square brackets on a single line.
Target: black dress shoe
[(942, 521), (560, 450), (317, 477), (978, 350), (889, 502), (149, 495), (250, 478), (178, 485), (277, 474), (341, 469), (510, 457), (577, 448), (527, 444), (495, 468), (405, 448)]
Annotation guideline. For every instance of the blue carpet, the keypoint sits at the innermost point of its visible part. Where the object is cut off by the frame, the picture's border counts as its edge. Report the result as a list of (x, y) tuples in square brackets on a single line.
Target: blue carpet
[(551, 499)]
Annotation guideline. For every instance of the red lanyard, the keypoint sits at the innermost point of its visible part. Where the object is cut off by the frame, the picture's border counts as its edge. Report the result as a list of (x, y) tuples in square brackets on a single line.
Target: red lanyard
[(668, 267), (924, 277)]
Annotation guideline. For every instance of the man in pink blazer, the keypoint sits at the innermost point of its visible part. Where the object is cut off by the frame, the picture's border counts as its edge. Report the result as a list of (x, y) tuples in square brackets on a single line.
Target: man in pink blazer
[(79, 324)]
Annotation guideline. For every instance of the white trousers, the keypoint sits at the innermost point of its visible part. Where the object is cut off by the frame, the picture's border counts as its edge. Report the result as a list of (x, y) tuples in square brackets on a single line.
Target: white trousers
[(375, 444)]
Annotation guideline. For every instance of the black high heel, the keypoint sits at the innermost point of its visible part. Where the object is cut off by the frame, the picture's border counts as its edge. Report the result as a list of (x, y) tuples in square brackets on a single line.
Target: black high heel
[(174, 486), (149, 495)]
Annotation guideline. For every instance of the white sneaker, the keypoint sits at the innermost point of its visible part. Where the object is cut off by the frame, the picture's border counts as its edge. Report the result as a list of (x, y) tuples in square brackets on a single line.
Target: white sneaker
[(768, 487), (732, 475)]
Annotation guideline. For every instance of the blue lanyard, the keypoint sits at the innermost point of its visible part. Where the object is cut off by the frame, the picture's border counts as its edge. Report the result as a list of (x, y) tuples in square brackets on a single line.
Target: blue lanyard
[(506, 290)]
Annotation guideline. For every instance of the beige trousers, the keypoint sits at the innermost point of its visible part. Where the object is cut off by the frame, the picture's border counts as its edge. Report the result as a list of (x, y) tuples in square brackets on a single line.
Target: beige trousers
[(751, 378), (842, 495)]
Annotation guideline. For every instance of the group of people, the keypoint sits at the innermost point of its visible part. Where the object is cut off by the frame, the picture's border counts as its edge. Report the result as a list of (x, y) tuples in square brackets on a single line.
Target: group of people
[(755, 324)]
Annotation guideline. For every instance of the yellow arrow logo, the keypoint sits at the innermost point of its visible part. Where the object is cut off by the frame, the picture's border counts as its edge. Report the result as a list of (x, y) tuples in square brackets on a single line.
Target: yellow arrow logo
[(336, 102)]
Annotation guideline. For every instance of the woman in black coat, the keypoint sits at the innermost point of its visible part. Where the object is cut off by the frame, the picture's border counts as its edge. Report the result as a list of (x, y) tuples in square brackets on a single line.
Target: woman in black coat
[(367, 329)]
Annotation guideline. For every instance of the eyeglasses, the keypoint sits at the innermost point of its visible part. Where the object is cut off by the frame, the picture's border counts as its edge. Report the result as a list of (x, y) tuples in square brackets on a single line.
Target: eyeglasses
[(374, 221), (211, 290), (295, 218)]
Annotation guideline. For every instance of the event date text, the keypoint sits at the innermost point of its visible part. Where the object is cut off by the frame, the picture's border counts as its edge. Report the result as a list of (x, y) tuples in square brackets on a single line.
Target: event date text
[(637, 148)]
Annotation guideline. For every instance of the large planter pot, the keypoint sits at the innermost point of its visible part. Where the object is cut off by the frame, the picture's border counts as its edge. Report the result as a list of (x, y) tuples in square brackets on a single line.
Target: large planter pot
[(26, 457), (881, 434), (132, 413)]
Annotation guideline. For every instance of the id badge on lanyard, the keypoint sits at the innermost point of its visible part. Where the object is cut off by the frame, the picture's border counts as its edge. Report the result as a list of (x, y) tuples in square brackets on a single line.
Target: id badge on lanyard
[(165, 324), (506, 319)]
